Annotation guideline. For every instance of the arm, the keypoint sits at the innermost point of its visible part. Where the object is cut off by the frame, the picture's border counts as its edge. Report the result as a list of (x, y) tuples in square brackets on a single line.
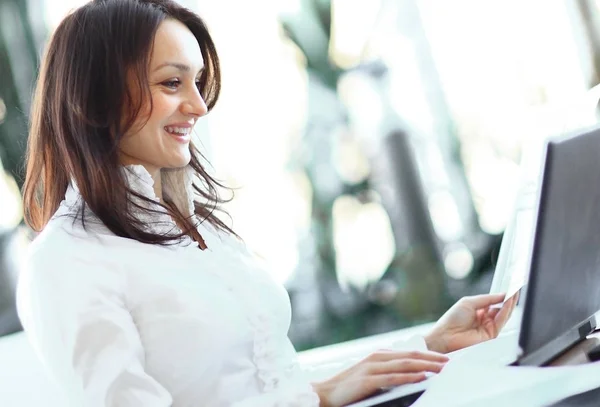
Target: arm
[(470, 321), (75, 317), (379, 370)]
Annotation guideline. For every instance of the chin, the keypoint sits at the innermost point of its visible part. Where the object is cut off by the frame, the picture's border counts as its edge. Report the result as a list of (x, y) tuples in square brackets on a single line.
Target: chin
[(179, 162)]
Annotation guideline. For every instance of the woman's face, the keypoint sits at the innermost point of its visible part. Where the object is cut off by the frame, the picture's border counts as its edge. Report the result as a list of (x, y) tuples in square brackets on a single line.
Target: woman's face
[(160, 138)]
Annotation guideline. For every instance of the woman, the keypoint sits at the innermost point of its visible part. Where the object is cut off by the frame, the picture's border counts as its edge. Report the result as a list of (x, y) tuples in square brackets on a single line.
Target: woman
[(135, 293)]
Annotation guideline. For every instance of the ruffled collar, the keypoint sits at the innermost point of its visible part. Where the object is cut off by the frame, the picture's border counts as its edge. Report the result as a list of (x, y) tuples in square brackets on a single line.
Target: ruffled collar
[(177, 186)]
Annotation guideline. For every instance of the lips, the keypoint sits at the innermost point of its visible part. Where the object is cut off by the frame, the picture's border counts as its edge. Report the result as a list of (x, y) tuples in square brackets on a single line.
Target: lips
[(178, 129), (177, 134)]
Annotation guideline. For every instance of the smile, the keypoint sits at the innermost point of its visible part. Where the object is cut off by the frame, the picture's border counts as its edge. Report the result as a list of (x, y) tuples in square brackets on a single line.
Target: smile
[(181, 134), (178, 130)]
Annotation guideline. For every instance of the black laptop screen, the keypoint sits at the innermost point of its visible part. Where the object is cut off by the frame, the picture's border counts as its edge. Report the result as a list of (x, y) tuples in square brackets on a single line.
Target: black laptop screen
[(564, 281)]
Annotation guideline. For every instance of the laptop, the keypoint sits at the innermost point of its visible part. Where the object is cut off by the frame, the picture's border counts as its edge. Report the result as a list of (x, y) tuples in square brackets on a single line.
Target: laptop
[(562, 286)]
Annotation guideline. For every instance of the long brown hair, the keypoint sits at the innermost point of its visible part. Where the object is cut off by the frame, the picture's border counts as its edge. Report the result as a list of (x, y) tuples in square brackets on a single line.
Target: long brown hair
[(84, 103)]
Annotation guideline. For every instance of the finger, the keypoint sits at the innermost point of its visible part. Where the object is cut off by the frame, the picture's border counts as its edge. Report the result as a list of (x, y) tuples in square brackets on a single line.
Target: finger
[(516, 298), (485, 300), (367, 385), (395, 355), (405, 366), (376, 382), (492, 312), (511, 303), (503, 315)]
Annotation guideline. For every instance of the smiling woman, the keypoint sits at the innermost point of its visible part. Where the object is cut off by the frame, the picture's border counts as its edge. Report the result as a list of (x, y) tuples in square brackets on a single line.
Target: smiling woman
[(103, 110), (119, 303), (160, 138)]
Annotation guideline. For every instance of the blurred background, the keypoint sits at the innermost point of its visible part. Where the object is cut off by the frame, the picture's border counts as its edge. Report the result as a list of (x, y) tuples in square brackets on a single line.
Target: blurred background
[(375, 146)]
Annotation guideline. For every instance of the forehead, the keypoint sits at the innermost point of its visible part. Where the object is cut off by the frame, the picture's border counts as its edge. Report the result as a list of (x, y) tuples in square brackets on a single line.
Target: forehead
[(174, 42)]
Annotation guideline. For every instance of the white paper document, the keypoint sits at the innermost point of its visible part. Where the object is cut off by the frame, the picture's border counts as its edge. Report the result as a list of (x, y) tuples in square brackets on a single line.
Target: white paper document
[(512, 269), (500, 351), (475, 385)]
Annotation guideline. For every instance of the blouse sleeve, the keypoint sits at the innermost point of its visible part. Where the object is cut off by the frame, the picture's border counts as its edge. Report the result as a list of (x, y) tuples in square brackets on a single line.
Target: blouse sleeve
[(75, 317), (293, 391)]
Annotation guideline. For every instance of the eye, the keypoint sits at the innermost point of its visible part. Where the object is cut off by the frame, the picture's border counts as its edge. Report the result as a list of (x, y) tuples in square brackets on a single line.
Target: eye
[(198, 83), (172, 84)]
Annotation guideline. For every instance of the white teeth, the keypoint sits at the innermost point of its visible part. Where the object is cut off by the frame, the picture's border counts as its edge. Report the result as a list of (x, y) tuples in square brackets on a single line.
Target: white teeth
[(178, 130)]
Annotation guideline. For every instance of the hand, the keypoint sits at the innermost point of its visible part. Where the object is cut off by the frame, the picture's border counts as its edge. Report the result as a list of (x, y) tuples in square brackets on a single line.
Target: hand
[(379, 370), (469, 322)]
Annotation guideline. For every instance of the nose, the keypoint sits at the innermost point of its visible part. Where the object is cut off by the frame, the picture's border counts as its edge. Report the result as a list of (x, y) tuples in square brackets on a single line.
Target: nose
[(194, 105)]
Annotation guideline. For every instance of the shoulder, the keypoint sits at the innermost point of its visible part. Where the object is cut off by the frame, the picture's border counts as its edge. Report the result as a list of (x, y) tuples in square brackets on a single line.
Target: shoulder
[(65, 256), (64, 275), (60, 241)]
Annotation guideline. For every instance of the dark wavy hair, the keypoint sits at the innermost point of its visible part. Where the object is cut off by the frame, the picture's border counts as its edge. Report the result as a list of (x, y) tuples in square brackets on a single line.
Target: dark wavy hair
[(84, 104)]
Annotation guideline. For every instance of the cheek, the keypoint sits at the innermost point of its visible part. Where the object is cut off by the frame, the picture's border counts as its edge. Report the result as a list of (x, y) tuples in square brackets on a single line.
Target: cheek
[(144, 140), (146, 128), (152, 114), (133, 144), (162, 108)]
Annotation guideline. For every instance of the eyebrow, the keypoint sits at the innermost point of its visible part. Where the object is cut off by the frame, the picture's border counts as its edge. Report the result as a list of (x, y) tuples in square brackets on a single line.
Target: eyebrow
[(179, 66)]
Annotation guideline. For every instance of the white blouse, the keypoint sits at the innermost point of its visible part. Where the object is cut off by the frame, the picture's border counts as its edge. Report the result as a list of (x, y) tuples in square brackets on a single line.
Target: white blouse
[(122, 323)]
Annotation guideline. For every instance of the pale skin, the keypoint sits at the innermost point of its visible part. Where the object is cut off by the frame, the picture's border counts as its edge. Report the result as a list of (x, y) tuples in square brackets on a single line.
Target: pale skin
[(469, 322), (175, 65)]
